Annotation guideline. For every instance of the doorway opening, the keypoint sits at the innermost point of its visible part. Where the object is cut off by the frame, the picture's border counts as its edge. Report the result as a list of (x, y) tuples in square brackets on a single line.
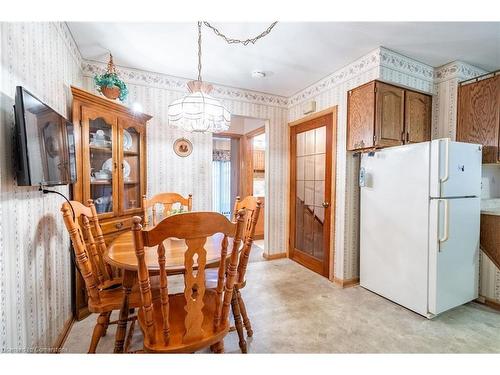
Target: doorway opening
[(238, 169)]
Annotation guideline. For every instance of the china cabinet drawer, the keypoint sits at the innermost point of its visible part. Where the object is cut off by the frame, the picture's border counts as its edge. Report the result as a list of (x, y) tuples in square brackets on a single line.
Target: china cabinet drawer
[(116, 225)]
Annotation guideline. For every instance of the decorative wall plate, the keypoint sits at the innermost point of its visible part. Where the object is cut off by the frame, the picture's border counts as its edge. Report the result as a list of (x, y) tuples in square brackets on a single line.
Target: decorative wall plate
[(183, 147)]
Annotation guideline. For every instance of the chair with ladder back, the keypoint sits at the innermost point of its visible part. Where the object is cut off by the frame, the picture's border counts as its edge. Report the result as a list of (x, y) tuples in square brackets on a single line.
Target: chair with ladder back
[(251, 207)]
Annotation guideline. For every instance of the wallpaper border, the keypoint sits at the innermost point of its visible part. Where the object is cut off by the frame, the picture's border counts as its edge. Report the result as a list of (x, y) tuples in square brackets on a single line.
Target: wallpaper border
[(456, 69), (168, 82)]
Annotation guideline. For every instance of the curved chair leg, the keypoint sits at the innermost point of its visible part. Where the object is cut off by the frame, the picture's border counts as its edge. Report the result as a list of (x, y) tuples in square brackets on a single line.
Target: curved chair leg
[(98, 331), (238, 323), (244, 315), (107, 324)]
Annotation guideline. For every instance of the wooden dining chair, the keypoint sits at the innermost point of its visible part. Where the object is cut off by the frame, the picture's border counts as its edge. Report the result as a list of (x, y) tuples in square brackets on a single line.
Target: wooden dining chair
[(104, 290), (167, 200), (199, 317), (251, 207)]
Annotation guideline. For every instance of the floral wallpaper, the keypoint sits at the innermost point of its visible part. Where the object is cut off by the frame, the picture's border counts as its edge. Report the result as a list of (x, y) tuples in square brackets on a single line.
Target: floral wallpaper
[(34, 247), (34, 256), (193, 174)]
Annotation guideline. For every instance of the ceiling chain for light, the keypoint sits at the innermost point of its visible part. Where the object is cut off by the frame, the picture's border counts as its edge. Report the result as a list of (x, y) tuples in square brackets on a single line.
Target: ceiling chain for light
[(244, 42), (198, 111)]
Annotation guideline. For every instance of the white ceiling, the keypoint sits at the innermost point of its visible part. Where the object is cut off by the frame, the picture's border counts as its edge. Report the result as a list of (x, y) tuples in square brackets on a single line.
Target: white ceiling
[(295, 55)]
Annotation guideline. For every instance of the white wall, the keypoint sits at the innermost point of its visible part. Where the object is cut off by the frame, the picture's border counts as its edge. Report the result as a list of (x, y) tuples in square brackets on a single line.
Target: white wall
[(34, 245)]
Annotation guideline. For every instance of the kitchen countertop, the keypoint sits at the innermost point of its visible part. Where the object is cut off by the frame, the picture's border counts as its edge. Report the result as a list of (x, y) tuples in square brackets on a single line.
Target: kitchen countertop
[(490, 206)]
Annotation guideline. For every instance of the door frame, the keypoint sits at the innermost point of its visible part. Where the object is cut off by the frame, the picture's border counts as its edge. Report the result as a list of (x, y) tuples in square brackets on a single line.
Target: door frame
[(328, 271)]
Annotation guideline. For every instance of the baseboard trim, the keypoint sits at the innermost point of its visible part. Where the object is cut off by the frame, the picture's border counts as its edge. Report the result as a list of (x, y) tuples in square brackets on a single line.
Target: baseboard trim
[(61, 339), (273, 256), (346, 283), (494, 304)]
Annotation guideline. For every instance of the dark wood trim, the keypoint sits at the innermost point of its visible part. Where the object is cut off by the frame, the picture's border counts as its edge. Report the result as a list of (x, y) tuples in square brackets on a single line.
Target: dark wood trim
[(267, 256), (313, 121), (346, 283), (246, 176), (106, 104), (61, 338), (494, 304), (228, 135)]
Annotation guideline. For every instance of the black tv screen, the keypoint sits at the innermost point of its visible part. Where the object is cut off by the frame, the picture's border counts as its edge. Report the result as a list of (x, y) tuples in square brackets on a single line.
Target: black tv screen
[(45, 143)]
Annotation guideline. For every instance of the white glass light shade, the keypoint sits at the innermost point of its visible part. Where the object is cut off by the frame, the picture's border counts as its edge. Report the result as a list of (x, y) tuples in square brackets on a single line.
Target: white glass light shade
[(199, 111)]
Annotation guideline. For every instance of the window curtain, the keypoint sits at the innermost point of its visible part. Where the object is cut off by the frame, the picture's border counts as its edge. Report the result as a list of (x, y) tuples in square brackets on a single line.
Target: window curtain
[(221, 182)]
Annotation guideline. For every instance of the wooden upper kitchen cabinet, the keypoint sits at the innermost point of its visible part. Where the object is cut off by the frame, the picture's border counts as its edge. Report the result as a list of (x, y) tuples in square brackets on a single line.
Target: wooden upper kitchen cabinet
[(389, 118), (361, 117), (417, 117), (382, 115), (479, 116)]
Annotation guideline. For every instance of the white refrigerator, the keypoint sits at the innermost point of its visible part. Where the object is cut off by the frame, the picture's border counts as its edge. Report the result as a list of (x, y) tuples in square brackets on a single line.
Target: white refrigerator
[(419, 224)]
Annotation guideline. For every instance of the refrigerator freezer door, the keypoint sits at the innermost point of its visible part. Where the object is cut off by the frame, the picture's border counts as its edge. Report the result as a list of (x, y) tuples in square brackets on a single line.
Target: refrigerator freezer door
[(394, 224), (455, 169), (453, 252)]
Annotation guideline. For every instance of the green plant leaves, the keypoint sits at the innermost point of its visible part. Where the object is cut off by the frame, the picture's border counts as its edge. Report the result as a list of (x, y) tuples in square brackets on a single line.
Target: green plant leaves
[(111, 80)]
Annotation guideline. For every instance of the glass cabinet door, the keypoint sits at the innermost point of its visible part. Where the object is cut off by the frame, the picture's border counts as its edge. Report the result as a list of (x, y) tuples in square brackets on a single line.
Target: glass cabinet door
[(131, 160), (99, 135)]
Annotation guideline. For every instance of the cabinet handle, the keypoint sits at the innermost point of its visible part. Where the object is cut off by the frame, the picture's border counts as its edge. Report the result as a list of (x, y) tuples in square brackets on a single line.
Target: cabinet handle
[(119, 225), (115, 165), (407, 137), (403, 136)]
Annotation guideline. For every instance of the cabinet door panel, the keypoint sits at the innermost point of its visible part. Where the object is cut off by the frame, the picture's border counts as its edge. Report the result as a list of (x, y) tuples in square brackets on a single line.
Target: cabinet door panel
[(360, 117), (389, 124), (99, 161), (479, 116), (417, 117), (131, 160)]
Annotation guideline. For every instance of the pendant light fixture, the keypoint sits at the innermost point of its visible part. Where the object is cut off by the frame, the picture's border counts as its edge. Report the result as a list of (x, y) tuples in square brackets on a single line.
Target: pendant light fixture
[(199, 111)]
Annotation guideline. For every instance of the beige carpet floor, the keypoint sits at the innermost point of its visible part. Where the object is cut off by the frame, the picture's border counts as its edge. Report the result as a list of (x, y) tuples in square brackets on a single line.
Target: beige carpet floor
[(294, 310)]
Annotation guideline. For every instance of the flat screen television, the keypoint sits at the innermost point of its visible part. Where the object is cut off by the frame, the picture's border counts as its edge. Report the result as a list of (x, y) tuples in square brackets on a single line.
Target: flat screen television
[(45, 143)]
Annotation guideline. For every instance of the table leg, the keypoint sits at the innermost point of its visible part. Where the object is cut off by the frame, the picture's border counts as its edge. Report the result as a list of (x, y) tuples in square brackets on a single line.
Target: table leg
[(121, 330)]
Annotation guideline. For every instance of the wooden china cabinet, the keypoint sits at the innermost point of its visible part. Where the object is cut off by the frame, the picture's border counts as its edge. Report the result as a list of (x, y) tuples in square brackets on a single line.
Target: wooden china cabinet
[(111, 165)]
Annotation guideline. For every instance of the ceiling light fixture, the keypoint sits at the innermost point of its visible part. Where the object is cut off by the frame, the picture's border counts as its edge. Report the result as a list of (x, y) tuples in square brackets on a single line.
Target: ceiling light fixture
[(199, 111), (258, 74)]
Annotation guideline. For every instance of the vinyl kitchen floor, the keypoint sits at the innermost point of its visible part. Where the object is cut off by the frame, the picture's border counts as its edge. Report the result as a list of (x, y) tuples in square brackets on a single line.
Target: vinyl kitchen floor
[(294, 310)]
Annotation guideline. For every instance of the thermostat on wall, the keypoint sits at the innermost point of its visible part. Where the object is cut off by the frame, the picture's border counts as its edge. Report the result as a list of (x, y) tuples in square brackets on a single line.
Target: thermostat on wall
[(309, 107)]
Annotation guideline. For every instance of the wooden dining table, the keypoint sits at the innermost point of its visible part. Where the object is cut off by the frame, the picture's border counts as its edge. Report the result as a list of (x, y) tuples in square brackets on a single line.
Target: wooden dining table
[(121, 254)]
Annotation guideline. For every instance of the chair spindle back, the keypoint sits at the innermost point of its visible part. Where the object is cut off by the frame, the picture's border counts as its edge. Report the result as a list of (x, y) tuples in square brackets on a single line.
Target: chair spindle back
[(88, 245), (251, 206), (167, 200), (194, 228)]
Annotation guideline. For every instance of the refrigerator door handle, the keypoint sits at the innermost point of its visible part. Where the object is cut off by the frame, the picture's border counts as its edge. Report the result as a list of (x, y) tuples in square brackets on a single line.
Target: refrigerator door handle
[(446, 160), (446, 229)]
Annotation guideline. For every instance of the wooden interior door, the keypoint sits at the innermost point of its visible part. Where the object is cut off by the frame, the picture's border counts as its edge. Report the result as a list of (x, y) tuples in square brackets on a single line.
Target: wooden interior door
[(417, 117), (479, 116), (389, 108), (310, 193)]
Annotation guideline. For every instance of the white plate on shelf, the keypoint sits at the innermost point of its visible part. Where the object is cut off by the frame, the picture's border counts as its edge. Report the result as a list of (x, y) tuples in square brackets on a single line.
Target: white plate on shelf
[(108, 166), (127, 140)]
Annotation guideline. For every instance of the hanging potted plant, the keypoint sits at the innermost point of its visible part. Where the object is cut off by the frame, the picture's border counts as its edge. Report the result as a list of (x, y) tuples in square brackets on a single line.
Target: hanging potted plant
[(109, 84)]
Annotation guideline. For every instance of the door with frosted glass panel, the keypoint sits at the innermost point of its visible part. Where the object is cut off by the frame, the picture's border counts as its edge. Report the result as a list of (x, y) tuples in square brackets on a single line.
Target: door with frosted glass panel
[(310, 193)]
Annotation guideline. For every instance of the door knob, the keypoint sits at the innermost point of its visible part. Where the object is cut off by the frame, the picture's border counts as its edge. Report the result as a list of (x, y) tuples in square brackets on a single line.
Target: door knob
[(326, 204)]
